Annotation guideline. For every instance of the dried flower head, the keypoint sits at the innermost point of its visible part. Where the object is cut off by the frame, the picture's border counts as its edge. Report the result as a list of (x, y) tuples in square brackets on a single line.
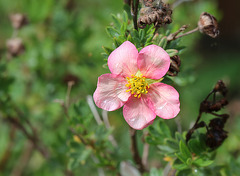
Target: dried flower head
[(208, 24), (158, 14), (15, 47), (174, 66), (220, 87), (68, 77), (18, 20)]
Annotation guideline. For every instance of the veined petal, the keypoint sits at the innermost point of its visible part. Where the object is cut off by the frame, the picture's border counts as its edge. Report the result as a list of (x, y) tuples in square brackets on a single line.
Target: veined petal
[(111, 92), (165, 100), (153, 62), (123, 60), (137, 112)]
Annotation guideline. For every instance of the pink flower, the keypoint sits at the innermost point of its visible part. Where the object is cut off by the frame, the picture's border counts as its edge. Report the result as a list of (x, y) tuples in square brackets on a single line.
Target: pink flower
[(134, 82)]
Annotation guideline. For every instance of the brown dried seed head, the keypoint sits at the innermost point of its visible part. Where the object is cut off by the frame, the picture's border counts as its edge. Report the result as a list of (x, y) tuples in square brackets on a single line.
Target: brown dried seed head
[(208, 24), (174, 66), (220, 87), (158, 16), (18, 20), (15, 47)]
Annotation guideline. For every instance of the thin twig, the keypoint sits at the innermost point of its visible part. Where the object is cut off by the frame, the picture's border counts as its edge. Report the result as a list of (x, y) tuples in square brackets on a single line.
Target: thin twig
[(94, 110), (100, 170), (178, 123), (108, 126), (33, 138), (145, 154), (187, 33), (167, 169), (79, 136), (23, 160), (67, 99), (134, 12), (173, 35), (190, 132), (8, 151), (134, 150), (145, 151)]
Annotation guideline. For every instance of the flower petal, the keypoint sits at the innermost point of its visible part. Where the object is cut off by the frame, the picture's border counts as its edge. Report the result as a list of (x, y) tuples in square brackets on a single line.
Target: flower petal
[(165, 100), (137, 113), (111, 92), (153, 62), (123, 60)]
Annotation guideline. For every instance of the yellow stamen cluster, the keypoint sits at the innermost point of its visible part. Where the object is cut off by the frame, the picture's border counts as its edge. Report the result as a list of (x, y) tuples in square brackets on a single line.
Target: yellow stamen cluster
[(137, 85)]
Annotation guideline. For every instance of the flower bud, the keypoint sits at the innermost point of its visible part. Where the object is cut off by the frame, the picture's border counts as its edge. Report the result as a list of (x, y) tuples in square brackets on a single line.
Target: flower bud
[(18, 20), (208, 24), (15, 47)]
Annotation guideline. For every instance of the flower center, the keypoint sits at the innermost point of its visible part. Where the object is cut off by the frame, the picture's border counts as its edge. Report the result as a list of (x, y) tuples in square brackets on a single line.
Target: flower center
[(137, 85)]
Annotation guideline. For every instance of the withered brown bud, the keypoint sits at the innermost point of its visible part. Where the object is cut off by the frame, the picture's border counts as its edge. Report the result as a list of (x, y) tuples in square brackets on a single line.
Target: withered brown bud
[(70, 78), (148, 3), (215, 137), (218, 105), (15, 47), (18, 20), (207, 24), (174, 66), (158, 15), (220, 87)]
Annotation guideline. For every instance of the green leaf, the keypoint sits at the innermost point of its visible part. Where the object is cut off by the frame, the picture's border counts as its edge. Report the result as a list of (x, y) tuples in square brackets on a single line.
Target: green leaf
[(107, 50), (189, 161), (172, 143), (181, 157), (149, 40), (150, 29), (154, 132), (116, 21), (117, 42), (181, 166), (166, 149), (142, 34), (77, 158), (172, 52), (178, 136), (163, 42), (129, 38), (125, 17), (195, 146), (164, 129), (135, 34), (202, 163), (184, 150), (151, 141), (185, 172), (112, 32)]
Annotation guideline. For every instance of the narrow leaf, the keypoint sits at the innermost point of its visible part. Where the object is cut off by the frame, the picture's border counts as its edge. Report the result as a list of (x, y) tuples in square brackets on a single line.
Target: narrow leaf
[(163, 42), (184, 150)]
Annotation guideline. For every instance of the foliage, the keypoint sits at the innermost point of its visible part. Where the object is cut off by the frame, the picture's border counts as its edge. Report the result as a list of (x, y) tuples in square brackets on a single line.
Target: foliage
[(49, 127)]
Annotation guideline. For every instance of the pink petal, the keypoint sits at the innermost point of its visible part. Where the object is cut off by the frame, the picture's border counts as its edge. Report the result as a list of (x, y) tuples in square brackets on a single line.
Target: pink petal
[(137, 113), (111, 92), (153, 62), (165, 100), (123, 60)]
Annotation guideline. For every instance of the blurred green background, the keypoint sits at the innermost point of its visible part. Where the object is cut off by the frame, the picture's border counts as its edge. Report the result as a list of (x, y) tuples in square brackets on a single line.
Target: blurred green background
[(63, 41)]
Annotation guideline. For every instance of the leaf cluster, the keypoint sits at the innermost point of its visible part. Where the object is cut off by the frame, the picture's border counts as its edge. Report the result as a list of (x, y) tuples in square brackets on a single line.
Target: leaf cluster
[(189, 158)]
